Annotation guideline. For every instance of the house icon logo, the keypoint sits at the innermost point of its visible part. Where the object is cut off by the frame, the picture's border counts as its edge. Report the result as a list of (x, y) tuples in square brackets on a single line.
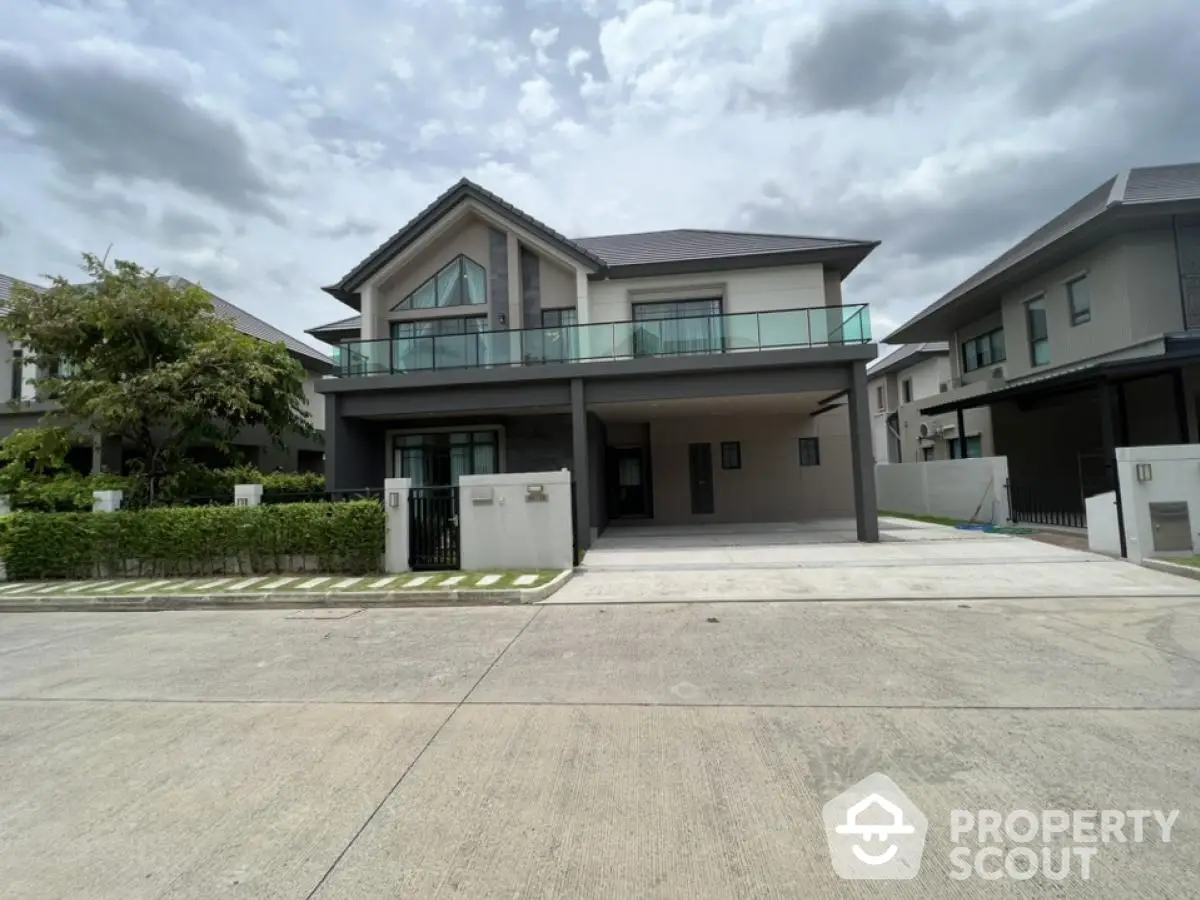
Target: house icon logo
[(875, 831)]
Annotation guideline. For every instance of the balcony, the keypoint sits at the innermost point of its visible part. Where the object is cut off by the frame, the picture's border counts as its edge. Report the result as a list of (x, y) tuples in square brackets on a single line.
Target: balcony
[(820, 326)]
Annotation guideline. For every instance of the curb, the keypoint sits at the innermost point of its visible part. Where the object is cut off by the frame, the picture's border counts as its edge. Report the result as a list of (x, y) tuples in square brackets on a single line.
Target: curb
[(284, 600), (1162, 565)]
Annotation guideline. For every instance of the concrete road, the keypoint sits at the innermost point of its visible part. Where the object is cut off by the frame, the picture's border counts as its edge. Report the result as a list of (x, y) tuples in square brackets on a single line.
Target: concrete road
[(641, 751)]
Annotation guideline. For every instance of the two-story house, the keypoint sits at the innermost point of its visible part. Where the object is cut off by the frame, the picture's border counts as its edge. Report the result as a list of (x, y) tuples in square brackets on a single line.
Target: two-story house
[(1082, 337), (20, 407), (682, 376), (897, 385)]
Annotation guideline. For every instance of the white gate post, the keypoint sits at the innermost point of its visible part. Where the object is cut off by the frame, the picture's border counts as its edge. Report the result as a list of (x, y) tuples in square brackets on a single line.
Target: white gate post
[(247, 494), (106, 501), (395, 508)]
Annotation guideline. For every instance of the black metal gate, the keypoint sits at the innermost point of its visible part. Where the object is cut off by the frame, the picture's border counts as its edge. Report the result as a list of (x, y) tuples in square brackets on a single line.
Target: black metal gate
[(433, 528)]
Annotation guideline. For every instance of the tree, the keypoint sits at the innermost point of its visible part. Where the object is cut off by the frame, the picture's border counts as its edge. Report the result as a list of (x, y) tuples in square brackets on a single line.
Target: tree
[(129, 355)]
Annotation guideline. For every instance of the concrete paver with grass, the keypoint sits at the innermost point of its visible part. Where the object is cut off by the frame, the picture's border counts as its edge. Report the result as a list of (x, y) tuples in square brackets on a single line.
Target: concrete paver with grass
[(278, 586)]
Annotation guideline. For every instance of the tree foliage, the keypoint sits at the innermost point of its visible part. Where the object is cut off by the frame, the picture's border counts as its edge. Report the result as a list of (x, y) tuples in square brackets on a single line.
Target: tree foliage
[(131, 355)]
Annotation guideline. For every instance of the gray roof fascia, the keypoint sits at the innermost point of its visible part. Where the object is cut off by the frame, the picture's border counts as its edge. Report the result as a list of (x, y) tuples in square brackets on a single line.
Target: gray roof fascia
[(843, 259)]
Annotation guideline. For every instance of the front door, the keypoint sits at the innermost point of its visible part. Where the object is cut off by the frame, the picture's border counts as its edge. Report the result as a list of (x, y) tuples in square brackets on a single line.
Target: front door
[(700, 478), (627, 473)]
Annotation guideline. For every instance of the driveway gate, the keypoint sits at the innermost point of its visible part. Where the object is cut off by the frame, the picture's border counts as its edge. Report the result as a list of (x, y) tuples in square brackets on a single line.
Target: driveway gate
[(433, 528)]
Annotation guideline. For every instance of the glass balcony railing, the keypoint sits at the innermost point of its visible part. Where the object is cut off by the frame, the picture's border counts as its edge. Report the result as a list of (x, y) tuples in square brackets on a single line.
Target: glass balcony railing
[(819, 326)]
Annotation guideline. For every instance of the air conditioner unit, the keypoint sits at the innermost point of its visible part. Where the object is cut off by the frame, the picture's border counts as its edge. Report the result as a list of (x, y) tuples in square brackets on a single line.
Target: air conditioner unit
[(998, 372), (948, 431)]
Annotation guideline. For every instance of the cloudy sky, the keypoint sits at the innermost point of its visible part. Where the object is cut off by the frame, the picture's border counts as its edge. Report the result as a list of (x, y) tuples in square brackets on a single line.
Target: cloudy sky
[(264, 148)]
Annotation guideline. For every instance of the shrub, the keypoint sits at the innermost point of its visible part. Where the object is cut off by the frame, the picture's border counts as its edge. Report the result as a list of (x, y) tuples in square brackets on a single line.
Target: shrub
[(64, 492), (215, 540)]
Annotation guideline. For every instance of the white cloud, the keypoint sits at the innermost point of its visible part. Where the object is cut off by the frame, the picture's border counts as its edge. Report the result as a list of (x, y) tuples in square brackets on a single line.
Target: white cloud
[(468, 99), (543, 38), (537, 99), (576, 58)]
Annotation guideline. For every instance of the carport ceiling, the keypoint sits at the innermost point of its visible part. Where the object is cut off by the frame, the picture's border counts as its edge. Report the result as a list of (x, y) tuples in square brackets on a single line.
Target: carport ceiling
[(758, 405)]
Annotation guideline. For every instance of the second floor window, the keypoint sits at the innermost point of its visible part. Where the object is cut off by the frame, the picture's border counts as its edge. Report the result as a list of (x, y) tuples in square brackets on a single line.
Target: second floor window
[(982, 351), (677, 327), (1039, 334), (463, 282), (880, 402), (449, 343), (906, 390), (18, 373), (1079, 299)]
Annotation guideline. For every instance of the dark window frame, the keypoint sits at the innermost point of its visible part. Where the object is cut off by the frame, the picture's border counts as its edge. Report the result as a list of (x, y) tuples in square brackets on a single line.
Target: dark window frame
[(18, 373), (647, 343), (973, 350), (880, 399), (459, 283), (906, 390), (441, 442), (1079, 315), (1033, 306), (731, 454), (810, 451)]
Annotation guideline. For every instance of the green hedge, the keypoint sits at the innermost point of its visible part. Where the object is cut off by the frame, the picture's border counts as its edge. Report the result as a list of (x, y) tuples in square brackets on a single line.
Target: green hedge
[(68, 491), (176, 541)]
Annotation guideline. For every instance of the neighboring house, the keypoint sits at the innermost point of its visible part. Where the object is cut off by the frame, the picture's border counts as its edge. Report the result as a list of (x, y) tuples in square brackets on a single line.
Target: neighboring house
[(683, 376), (300, 453), (1082, 337), (897, 384)]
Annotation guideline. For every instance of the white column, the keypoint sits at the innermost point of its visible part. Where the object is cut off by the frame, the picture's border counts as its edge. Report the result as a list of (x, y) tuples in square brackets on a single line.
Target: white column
[(395, 507), (247, 494), (106, 501), (583, 312), (369, 330)]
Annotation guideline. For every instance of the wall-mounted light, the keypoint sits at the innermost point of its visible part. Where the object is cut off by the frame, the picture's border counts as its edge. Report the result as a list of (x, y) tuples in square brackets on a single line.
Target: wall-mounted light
[(1145, 472)]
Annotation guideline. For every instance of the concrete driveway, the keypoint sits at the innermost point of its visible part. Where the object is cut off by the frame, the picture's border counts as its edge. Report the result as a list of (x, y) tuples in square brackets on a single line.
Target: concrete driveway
[(665, 750), (822, 561)]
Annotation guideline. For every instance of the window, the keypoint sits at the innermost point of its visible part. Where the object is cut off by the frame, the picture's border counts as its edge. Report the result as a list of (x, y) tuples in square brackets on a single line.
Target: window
[(677, 327), (985, 350), (1079, 299), (731, 455), (906, 389), (926, 454), (451, 343), (438, 459), (462, 282), (974, 447), (880, 403), (1039, 336), (18, 373), (558, 338), (810, 451)]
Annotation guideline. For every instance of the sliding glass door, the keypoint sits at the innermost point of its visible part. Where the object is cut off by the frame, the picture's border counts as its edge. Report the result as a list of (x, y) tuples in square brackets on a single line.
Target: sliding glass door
[(677, 327), (443, 343)]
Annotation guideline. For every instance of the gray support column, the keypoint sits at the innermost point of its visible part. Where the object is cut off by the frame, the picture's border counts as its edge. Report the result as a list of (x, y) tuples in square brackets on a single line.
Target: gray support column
[(866, 505), (1104, 396), (581, 471), (106, 455), (355, 451)]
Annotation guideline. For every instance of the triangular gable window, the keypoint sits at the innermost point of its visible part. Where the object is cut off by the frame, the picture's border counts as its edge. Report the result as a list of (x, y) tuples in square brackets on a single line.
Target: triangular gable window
[(463, 282)]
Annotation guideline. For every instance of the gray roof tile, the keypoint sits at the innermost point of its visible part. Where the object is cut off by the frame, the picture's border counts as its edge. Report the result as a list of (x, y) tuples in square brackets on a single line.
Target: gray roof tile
[(255, 327), (350, 323), (1163, 184), (682, 244), (7, 284)]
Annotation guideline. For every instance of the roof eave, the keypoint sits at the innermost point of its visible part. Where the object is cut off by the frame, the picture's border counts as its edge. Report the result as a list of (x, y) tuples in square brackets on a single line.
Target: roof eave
[(346, 290), (843, 259)]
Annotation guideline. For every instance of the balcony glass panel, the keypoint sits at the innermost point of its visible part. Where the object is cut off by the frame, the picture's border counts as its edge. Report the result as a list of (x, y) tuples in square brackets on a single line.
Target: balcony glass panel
[(462, 342)]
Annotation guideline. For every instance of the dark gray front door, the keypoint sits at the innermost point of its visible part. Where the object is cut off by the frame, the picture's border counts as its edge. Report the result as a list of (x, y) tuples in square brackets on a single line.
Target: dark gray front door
[(700, 472)]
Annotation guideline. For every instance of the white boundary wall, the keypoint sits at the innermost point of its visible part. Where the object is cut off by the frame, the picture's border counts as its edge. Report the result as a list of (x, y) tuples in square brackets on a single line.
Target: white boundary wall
[(516, 521), (1172, 475), (967, 489)]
